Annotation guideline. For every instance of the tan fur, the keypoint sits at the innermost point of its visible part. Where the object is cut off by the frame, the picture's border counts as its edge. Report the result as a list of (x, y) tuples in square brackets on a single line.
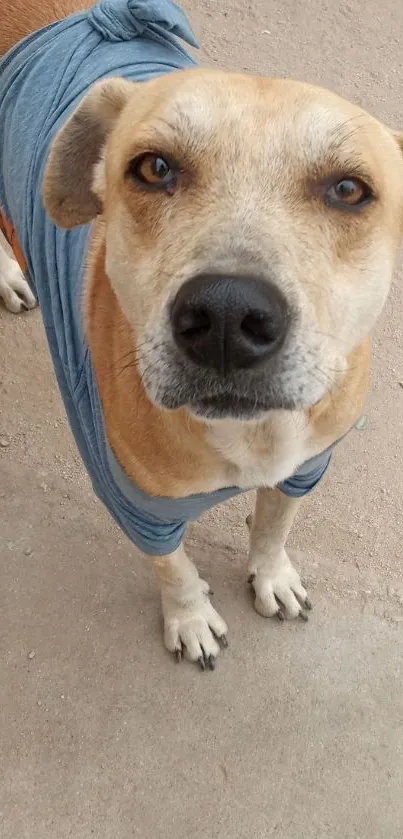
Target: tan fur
[(21, 17), (254, 157), (336, 412)]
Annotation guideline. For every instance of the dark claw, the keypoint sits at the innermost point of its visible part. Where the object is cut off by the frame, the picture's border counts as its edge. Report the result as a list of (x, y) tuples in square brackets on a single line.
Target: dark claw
[(251, 578), (211, 662), (223, 641), (201, 663), (24, 307), (308, 604), (178, 656), (211, 593), (303, 616), (280, 615)]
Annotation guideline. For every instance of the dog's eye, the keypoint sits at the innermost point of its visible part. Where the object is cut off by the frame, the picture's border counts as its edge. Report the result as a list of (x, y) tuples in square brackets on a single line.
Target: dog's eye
[(349, 192), (152, 170)]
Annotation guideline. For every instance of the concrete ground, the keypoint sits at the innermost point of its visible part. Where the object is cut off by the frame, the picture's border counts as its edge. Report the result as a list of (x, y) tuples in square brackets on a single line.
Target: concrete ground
[(299, 732)]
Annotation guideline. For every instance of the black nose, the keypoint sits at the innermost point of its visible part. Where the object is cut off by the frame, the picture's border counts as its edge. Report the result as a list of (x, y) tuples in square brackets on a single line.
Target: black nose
[(229, 323)]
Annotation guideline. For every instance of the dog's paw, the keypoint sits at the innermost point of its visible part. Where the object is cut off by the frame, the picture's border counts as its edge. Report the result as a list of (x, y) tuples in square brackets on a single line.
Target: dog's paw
[(278, 589), (15, 291), (192, 627)]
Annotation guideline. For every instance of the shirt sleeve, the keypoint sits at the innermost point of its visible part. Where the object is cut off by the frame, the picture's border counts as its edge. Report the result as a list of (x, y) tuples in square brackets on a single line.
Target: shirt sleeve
[(307, 476)]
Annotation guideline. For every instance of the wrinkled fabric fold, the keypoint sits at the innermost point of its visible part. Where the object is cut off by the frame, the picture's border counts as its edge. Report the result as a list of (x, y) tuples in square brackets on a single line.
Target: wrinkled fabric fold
[(123, 20)]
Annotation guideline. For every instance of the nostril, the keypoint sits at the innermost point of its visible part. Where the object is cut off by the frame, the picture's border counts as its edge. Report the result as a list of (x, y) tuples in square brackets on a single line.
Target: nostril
[(260, 328), (192, 322)]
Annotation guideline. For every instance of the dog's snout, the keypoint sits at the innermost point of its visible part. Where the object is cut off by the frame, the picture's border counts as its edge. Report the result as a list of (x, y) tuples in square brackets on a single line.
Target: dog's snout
[(229, 322)]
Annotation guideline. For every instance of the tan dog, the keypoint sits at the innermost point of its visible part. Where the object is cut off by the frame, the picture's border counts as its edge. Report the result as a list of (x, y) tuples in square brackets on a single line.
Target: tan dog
[(245, 233)]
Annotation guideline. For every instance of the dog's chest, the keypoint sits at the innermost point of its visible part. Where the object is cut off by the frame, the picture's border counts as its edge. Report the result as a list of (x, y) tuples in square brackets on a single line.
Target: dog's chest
[(262, 454)]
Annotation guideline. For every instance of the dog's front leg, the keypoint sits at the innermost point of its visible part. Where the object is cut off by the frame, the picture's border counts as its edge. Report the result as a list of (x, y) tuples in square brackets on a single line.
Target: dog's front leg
[(191, 625), (276, 584)]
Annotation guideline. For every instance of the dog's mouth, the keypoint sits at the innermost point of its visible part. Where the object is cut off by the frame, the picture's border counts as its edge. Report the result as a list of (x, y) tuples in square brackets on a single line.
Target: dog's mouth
[(240, 397), (213, 400), (247, 403), (289, 382), (234, 406)]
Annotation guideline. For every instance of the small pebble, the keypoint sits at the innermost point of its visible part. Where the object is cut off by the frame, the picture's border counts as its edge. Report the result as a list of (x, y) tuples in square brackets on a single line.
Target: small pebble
[(362, 423), (27, 551), (31, 654), (4, 443), (39, 703)]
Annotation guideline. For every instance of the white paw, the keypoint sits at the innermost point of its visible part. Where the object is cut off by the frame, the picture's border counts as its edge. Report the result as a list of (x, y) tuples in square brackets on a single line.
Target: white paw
[(192, 626), (14, 289), (278, 589)]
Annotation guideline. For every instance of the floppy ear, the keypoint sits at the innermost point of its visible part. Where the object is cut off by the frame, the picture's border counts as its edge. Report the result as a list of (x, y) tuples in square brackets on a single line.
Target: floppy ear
[(67, 186)]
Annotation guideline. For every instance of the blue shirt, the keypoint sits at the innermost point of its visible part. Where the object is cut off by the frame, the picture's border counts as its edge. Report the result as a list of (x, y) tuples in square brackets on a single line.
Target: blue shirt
[(42, 80)]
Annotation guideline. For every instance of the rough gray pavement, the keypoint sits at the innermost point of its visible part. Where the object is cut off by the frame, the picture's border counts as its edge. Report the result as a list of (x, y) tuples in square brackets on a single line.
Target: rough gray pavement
[(299, 732)]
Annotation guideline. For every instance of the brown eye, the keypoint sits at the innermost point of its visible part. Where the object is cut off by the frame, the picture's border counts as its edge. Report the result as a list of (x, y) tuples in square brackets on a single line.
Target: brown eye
[(153, 171), (349, 192)]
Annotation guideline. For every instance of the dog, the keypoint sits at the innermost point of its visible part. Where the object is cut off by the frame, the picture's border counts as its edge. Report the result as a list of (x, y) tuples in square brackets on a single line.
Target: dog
[(211, 252)]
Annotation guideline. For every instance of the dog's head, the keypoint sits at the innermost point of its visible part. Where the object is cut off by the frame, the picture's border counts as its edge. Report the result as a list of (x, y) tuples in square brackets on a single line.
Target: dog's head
[(251, 228)]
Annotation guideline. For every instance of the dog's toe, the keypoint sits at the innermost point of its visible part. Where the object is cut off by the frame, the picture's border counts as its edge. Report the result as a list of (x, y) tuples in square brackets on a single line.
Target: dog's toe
[(194, 631), (280, 593)]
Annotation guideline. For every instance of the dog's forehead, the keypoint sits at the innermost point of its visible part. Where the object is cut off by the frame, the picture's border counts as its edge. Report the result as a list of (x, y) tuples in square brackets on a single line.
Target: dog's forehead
[(268, 113)]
